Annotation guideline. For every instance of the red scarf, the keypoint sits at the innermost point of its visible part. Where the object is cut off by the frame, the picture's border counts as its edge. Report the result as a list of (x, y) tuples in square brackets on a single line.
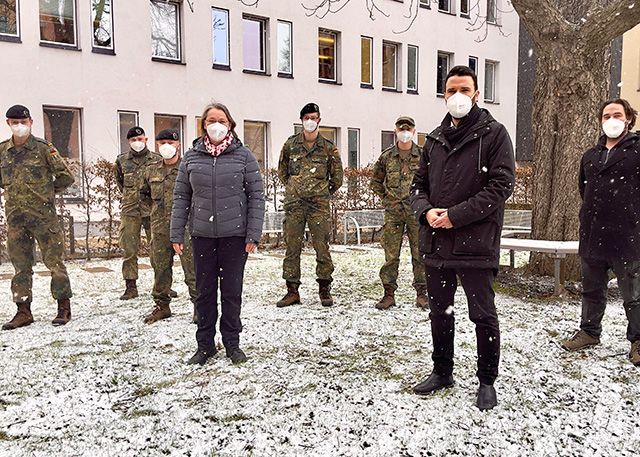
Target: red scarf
[(216, 150)]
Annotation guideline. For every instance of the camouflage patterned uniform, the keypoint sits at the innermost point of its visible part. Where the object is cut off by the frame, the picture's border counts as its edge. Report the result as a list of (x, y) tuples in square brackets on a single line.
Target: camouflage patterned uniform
[(158, 183), (134, 212), (31, 176), (310, 177), (391, 180)]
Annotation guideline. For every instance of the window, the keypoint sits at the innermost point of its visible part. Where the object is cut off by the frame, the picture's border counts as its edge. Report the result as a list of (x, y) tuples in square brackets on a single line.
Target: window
[(444, 65), (425, 4), (490, 74), (422, 139), (199, 129), (388, 139), (492, 11), (366, 61), (412, 71), (102, 25), (330, 133), (473, 64), (165, 30), (63, 128), (354, 148), (328, 55), (126, 120), (168, 121), (254, 31), (285, 48), (9, 20), (390, 55), (444, 6), (464, 8), (58, 22), (220, 36), (255, 138)]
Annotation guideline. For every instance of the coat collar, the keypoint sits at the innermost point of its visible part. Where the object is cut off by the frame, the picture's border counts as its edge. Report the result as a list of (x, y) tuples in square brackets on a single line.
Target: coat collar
[(593, 155)]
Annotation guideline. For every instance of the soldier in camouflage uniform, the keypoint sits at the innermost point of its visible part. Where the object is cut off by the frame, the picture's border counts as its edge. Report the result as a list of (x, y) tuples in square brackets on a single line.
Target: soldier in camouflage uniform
[(159, 179), (134, 213), (391, 180), (32, 172), (311, 170)]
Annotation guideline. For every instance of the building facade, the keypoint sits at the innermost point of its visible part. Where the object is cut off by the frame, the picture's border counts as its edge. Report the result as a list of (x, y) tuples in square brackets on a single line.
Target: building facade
[(630, 87), (90, 69)]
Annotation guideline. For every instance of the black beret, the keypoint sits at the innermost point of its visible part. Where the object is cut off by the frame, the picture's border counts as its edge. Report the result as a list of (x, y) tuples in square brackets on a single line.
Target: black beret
[(18, 112), (308, 109), (135, 131), (168, 134)]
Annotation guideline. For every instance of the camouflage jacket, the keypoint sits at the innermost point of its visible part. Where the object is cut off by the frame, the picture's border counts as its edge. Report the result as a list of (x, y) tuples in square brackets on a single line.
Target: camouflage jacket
[(31, 176), (158, 181), (130, 167), (310, 173), (392, 177)]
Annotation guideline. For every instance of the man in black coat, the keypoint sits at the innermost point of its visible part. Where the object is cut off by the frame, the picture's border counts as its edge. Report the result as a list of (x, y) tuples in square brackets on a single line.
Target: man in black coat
[(466, 174), (610, 226)]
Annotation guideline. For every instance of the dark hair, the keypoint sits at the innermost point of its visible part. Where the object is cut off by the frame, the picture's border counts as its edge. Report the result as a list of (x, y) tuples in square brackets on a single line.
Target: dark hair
[(630, 113), (462, 70), (225, 110)]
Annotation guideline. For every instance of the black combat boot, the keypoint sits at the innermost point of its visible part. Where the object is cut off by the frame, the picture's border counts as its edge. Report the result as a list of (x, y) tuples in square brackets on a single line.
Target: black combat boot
[(324, 292), (22, 318), (201, 357), (64, 312), (236, 355), (131, 290), (292, 297)]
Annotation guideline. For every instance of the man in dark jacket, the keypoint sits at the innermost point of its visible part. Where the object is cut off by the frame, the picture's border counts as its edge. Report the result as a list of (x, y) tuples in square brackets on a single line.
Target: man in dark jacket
[(609, 226), (466, 173)]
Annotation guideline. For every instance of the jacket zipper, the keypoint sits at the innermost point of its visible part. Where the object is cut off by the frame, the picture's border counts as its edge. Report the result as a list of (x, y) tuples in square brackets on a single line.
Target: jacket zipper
[(213, 187)]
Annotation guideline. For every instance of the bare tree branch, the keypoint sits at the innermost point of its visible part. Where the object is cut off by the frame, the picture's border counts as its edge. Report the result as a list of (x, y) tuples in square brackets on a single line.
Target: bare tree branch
[(610, 21), (541, 18)]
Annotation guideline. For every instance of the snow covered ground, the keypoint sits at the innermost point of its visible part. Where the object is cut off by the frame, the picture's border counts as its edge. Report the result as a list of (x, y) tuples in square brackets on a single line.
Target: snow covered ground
[(319, 382)]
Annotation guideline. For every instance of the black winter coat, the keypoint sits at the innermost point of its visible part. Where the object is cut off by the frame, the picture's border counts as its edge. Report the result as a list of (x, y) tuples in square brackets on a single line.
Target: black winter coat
[(471, 179), (610, 212), (220, 196)]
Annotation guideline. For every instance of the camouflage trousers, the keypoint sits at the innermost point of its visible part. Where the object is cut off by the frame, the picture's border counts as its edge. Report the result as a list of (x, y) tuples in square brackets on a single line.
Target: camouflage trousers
[(395, 224), (20, 244), (316, 213), (129, 238), (163, 255)]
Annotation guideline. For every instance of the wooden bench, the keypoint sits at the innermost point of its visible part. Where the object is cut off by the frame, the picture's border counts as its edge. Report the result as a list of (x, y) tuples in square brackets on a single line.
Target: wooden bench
[(556, 249)]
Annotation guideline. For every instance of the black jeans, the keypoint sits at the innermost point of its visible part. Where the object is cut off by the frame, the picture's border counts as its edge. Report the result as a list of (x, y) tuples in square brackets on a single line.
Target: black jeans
[(595, 277), (478, 287), (219, 260)]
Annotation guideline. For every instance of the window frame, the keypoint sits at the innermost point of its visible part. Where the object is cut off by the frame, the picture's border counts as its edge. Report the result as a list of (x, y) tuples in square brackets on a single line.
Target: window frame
[(17, 37), (284, 74), (179, 59), (103, 49), (54, 44), (413, 90), (357, 132), (364, 84), (494, 96), (266, 125), (449, 57), (493, 3), (172, 116), (216, 65), (382, 134), (449, 9), (477, 63), (137, 115), (264, 48), (397, 69), (336, 54), (466, 13)]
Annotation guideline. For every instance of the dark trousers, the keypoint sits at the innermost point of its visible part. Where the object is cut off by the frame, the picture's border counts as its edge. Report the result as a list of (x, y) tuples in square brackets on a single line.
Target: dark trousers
[(595, 278), (219, 261), (478, 287)]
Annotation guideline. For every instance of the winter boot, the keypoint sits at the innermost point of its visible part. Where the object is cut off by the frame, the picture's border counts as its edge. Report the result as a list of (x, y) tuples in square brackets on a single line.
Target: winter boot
[(634, 354), (22, 318), (422, 301), (487, 398), (292, 296), (201, 357), (324, 292), (159, 312), (236, 355), (433, 383), (131, 290), (580, 340), (64, 312), (388, 300)]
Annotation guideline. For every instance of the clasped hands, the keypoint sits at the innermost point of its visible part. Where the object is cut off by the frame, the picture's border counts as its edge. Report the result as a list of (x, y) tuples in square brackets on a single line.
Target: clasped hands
[(439, 218)]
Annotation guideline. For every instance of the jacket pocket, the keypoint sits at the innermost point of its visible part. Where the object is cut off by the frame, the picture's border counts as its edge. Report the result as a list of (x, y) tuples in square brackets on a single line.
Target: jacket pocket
[(425, 237), (319, 167), (475, 239)]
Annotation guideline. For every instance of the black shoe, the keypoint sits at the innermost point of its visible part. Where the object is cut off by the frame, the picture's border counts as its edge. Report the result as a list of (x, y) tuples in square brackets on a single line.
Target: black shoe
[(201, 357), (236, 355), (173, 293), (432, 383), (487, 397)]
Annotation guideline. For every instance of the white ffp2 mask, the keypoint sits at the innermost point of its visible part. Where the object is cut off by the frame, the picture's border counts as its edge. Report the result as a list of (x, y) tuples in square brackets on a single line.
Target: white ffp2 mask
[(217, 131), (613, 128), (167, 151), (459, 105)]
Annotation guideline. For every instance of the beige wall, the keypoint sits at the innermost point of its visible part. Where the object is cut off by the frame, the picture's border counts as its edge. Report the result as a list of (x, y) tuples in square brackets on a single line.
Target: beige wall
[(630, 89)]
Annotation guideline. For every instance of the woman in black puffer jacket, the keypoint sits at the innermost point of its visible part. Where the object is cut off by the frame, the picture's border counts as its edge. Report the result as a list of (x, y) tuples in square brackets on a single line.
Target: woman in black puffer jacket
[(219, 196)]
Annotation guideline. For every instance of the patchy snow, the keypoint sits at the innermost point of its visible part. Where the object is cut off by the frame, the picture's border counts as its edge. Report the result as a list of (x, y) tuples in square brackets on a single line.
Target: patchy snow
[(321, 382)]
